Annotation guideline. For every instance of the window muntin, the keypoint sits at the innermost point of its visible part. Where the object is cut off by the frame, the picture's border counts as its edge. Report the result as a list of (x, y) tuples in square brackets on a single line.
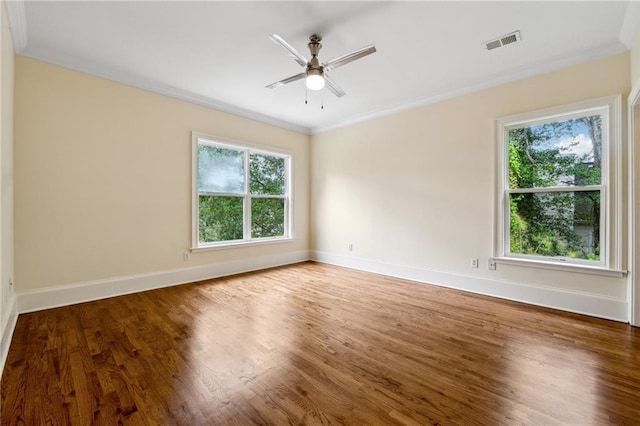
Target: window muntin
[(241, 194), (559, 180)]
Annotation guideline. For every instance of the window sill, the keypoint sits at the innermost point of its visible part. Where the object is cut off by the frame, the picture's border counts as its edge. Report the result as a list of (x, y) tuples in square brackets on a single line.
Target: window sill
[(239, 244), (566, 267)]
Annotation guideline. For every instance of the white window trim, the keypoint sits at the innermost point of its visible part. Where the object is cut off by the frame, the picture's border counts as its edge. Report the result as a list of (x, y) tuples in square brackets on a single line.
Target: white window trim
[(196, 139), (611, 202)]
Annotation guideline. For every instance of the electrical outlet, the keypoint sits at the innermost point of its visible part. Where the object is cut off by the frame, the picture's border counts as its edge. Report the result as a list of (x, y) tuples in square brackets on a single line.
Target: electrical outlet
[(474, 262), (350, 247), (492, 264), (186, 256)]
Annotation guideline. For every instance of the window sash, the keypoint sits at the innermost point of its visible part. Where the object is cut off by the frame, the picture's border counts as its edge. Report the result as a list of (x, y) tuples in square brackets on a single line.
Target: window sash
[(245, 195), (564, 259), (563, 116), (610, 188), (232, 229)]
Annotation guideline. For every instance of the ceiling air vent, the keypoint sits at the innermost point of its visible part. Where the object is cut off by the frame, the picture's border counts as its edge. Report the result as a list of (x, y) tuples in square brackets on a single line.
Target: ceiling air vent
[(502, 41)]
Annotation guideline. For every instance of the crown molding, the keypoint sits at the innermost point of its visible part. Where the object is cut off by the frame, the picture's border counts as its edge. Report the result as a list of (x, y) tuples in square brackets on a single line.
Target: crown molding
[(630, 24), (612, 48), (17, 17), (156, 87), (18, 23)]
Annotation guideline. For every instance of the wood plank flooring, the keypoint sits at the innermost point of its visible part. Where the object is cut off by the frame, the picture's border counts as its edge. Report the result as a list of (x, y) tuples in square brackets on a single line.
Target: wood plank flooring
[(317, 344)]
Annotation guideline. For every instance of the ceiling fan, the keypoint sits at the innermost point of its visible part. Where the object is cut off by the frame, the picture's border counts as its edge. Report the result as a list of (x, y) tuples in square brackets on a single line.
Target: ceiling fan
[(315, 73)]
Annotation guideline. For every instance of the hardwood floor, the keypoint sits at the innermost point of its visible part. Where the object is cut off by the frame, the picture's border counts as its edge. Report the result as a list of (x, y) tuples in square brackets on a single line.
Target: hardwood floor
[(317, 344)]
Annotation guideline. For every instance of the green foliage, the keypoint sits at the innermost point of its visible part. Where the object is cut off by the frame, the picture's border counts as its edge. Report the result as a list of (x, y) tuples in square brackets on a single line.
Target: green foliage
[(221, 218), (221, 170), (266, 175), (267, 217), (554, 223)]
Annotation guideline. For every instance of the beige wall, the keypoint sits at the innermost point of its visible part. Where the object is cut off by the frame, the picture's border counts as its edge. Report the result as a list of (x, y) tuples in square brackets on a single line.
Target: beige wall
[(103, 178), (634, 66), (416, 188), (7, 298)]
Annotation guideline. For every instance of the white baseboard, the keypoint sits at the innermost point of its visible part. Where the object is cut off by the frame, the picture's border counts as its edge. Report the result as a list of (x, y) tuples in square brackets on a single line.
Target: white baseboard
[(101, 289), (578, 302), (9, 321), (584, 303)]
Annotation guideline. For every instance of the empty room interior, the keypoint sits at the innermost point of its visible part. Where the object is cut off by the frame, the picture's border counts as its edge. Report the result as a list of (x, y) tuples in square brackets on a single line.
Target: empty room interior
[(313, 212)]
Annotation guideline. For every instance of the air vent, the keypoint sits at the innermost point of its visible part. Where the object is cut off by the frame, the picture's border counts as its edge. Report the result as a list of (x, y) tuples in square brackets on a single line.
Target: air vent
[(502, 41), (493, 44)]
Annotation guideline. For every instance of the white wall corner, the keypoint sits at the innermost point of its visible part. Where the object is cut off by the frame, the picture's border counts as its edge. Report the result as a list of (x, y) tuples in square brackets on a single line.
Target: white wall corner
[(18, 23), (595, 305), (631, 24), (9, 321), (633, 103), (37, 300)]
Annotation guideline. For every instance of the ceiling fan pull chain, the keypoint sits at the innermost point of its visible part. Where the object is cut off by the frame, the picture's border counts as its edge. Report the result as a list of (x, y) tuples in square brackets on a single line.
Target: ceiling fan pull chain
[(322, 100), (306, 92)]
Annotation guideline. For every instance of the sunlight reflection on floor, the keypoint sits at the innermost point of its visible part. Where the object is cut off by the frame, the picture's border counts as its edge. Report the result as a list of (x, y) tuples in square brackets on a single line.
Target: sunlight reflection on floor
[(538, 376)]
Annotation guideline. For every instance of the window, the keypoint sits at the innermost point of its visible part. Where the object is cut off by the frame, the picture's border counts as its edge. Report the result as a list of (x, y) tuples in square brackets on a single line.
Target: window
[(241, 193), (559, 186)]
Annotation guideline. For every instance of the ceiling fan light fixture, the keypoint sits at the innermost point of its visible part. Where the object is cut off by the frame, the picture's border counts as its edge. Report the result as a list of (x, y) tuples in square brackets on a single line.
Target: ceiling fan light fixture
[(314, 80), (315, 71)]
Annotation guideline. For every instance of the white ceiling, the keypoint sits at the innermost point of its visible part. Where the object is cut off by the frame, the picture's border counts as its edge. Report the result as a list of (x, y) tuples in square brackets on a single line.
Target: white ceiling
[(218, 53)]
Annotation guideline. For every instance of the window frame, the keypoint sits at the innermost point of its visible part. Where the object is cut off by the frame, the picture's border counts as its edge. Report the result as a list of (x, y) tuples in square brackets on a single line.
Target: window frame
[(610, 187), (198, 139)]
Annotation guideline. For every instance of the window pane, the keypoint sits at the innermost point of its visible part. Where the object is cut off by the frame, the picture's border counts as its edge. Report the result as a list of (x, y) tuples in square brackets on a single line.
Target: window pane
[(220, 170), (267, 217), (559, 153), (220, 219), (266, 175), (563, 224)]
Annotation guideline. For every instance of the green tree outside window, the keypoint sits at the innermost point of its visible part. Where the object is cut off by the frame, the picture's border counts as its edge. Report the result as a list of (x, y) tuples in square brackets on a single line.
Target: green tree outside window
[(556, 155), (236, 187)]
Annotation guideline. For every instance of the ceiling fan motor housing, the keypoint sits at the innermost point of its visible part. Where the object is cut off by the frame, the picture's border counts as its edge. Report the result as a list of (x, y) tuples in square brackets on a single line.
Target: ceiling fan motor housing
[(314, 67), (314, 44)]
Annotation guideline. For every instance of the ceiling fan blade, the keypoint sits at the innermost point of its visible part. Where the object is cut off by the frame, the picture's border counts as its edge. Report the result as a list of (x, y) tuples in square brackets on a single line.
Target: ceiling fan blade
[(286, 81), (333, 87), (349, 57), (292, 52)]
